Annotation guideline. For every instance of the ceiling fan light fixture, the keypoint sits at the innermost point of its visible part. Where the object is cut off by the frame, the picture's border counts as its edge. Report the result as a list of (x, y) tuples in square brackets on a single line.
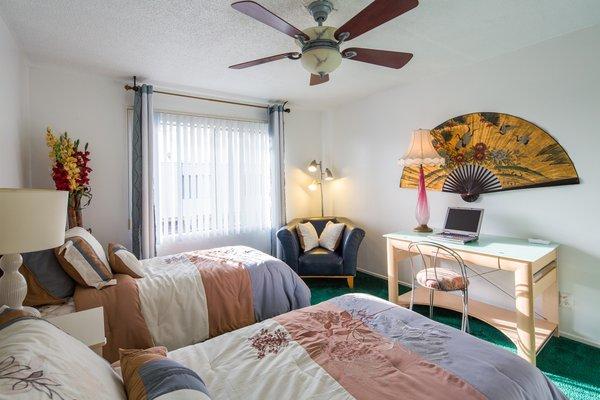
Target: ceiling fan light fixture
[(321, 61), (321, 54)]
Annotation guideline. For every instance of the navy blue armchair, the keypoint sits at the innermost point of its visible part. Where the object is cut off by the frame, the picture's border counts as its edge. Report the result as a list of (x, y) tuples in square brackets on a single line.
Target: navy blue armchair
[(320, 262)]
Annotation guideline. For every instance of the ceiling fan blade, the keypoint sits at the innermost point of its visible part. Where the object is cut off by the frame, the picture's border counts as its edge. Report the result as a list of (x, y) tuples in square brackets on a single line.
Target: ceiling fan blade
[(258, 12), (317, 80), (291, 56), (384, 58), (377, 13)]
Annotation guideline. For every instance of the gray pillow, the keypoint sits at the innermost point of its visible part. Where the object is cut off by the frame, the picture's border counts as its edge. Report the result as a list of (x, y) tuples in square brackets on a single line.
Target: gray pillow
[(47, 282)]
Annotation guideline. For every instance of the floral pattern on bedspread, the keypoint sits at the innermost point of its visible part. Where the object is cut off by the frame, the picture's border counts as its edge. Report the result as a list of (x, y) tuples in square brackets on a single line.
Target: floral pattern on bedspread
[(266, 342), (367, 363), (17, 377), (429, 340)]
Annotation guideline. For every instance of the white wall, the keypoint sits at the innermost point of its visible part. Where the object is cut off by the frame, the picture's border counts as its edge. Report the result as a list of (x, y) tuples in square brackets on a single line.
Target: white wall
[(302, 145), (93, 108), (13, 105), (555, 85)]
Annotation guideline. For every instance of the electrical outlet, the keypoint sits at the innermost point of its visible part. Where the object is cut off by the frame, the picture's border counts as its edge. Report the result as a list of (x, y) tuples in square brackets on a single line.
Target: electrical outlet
[(566, 300)]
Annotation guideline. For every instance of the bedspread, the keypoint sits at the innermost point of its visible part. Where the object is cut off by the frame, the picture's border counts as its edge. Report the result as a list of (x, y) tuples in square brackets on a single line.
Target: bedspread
[(360, 347), (190, 297)]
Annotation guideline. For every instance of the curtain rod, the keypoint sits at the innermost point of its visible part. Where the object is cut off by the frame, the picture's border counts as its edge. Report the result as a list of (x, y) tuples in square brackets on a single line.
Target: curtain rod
[(135, 89)]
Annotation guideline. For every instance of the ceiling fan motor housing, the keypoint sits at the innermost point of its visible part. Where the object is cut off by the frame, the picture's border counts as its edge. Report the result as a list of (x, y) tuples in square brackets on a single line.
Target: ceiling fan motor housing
[(321, 53), (320, 10)]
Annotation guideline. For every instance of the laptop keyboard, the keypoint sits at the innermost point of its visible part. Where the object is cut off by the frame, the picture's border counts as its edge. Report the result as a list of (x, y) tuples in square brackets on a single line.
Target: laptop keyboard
[(453, 237)]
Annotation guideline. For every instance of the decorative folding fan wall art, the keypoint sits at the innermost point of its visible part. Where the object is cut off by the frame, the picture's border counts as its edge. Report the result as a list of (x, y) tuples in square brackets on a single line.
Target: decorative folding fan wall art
[(491, 152)]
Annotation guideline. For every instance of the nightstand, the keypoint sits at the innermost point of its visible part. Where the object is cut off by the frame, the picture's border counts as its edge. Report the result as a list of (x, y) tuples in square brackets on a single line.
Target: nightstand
[(86, 326)]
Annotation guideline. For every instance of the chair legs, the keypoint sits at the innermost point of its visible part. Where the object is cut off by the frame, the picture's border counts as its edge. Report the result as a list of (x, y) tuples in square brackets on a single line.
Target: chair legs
[(464, 326), (412, 295), (350, 282), (431, 294)]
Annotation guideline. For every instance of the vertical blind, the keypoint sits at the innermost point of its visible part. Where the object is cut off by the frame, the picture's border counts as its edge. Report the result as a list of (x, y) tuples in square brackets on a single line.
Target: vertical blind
[(214, 177)]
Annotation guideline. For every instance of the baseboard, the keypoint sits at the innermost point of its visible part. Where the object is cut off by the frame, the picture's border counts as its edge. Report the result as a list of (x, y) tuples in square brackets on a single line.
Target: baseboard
[(568, 335), (580, 339), (376, 275)]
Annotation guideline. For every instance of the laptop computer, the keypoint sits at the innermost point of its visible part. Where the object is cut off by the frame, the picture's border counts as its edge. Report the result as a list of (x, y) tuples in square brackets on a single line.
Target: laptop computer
[(462, 225)]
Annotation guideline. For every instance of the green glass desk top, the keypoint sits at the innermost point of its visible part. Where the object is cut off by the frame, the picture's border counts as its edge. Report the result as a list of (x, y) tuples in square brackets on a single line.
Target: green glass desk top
[(497, 246)]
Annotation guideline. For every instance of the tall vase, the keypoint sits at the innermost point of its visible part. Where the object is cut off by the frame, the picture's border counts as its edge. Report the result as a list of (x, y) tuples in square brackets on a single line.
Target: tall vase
[(422, 211), (74, 210)]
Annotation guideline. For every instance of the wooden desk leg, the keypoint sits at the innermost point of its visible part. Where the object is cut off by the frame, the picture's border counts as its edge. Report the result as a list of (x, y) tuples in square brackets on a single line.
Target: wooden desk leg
[(525, 313), (392, 273), (550, 300)]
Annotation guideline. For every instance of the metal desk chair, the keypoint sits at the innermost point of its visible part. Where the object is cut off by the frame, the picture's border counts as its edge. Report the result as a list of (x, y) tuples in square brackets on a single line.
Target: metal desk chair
[(434, 278)]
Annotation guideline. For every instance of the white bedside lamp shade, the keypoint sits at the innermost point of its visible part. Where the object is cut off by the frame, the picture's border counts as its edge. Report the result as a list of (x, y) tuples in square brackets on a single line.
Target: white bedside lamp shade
[(421, 150), (30, 220)]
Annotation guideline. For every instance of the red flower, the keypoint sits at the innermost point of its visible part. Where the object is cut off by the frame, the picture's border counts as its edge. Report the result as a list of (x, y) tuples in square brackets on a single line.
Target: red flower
[(60, 177), (480, 147), (479, 156)]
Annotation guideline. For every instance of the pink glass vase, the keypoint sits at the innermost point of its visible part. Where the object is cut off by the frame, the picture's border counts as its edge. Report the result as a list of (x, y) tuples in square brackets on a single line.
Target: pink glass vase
[(422, 210)]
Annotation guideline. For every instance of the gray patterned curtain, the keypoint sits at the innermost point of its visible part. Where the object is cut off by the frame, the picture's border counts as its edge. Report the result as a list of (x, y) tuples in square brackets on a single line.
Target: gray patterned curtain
[(142, 170), (276, 134)]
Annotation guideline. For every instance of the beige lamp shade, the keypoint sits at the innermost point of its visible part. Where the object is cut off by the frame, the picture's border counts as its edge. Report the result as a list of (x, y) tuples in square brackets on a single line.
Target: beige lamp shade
[(32, 219), (421, 151)]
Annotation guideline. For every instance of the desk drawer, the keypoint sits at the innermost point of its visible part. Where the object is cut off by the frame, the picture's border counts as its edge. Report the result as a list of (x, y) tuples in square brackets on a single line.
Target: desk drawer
[(470, 258)]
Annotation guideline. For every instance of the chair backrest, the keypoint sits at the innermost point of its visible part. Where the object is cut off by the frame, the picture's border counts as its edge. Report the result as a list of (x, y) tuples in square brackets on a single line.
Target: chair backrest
[(429, 253)]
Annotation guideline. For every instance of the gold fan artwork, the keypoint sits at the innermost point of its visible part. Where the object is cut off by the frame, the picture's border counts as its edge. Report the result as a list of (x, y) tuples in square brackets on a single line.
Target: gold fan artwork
[(492, 152)]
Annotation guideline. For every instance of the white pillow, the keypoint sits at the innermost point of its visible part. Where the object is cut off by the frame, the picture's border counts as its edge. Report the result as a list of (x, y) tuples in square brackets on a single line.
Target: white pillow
[(331, 236), (309, 239), (44, 362)]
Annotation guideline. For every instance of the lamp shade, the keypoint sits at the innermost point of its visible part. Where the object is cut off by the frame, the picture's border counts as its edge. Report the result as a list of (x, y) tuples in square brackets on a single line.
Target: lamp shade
[(32, 219), (421, 151)]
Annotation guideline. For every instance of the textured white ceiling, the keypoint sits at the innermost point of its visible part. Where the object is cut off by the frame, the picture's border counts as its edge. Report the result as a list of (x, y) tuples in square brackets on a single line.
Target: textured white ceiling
[(191, 43)]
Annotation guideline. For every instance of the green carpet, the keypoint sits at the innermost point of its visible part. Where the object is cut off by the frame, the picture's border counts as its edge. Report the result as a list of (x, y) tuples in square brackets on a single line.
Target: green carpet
[(574, 367)]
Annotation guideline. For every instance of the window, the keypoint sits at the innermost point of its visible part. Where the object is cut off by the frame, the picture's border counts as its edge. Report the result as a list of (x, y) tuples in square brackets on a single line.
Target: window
[(213, 178)]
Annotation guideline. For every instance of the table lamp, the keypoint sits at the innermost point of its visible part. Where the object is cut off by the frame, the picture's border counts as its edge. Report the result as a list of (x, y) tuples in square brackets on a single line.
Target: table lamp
[(421, 152), (30, 220)]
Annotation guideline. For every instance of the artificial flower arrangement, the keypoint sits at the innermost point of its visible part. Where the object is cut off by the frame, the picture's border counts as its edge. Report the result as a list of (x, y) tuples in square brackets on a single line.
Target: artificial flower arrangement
[(70, 172)]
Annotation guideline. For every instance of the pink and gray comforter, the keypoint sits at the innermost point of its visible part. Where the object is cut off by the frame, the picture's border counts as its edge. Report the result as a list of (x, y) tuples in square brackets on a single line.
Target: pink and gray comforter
[(360, 347)]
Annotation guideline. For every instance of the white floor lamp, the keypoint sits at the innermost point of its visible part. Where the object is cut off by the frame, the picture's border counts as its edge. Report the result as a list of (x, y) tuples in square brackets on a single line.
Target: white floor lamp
[(30, 220), (326, 175)]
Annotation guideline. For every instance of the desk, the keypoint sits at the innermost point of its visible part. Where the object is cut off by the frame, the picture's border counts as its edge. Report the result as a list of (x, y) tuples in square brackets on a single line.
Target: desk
[(535, 270)]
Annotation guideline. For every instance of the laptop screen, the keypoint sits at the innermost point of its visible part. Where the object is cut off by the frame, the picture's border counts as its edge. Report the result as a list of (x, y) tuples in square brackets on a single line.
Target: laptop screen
[(463, 219)]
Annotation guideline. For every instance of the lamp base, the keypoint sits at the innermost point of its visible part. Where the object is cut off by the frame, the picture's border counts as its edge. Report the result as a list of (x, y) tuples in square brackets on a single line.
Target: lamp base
[(13, 287), (423, 229)]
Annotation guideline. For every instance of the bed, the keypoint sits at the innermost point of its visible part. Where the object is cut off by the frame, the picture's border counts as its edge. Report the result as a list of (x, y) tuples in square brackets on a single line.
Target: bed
[(189, 297), (350, 347)]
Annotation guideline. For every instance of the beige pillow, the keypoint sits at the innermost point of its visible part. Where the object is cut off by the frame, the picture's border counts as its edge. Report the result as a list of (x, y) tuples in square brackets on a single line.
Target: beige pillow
[(331, 236), (308, 236), (122, 261)]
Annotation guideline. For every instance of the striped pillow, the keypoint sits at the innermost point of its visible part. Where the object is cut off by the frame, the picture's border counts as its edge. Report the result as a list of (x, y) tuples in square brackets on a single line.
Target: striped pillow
[(83, 258), (149, 374), (9, 315), (122, 261)]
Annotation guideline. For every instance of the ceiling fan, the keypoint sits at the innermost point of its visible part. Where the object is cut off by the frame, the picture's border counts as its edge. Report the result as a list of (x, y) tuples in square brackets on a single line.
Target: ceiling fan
[(320, 45)]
